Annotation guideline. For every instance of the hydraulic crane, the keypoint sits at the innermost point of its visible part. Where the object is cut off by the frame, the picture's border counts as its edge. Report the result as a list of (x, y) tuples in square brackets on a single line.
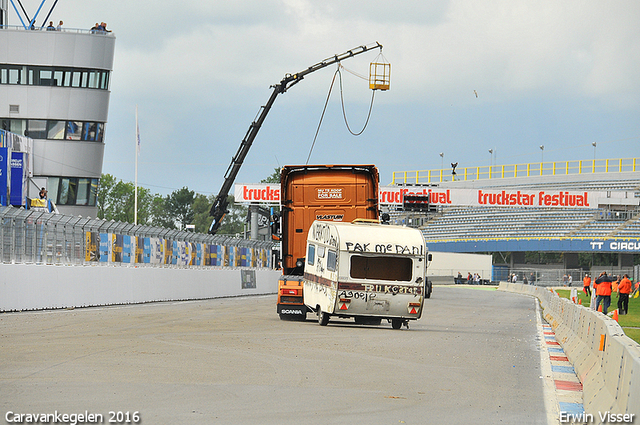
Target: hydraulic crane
[(219, 207)]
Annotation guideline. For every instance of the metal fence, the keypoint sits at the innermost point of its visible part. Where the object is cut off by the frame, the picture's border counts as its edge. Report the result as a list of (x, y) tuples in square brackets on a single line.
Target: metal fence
[(562, 276), (34, 237)]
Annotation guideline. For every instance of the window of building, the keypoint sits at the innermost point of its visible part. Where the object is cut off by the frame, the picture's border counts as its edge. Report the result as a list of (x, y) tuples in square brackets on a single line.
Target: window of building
[(74, 130), (55, 129), (54, 76), (73, 190), (37, 129)]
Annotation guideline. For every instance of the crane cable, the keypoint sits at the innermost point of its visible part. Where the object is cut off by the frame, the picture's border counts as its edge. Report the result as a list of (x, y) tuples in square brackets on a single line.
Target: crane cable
[(322, 116), (344, 114), (343, 108)]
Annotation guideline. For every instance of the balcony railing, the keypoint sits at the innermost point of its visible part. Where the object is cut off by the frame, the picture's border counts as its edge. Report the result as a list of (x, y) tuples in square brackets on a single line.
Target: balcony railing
[(534, 169)]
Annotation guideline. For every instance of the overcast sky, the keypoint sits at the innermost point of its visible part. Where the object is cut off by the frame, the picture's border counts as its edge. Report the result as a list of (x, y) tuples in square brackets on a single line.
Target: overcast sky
[(562, 74)]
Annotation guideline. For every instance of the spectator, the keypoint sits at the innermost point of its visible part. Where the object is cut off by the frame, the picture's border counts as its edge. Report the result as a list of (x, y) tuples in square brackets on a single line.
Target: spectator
[(95, 28), (570, 279), (59, 27), (51, 27), (624, 289), (603, 292), (586, 283)]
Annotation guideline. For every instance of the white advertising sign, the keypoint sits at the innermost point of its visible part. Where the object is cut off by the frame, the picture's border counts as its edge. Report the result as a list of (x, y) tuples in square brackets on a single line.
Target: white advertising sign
[(393, 195)]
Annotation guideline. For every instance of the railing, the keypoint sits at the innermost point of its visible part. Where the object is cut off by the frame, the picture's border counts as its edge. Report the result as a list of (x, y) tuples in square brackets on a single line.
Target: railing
[(34, 237), (534, 169), (66, 30)]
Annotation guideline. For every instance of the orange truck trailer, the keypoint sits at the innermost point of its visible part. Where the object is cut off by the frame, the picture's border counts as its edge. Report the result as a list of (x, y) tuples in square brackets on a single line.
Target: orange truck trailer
[(333, 193)]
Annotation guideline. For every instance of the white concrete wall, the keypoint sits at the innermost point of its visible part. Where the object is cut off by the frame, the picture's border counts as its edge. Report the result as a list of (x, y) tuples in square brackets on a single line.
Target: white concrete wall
[(33, 287), (605, 359)]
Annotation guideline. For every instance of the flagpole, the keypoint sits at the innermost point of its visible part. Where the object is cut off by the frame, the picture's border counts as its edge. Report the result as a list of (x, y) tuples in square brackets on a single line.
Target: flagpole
[(137, 145)]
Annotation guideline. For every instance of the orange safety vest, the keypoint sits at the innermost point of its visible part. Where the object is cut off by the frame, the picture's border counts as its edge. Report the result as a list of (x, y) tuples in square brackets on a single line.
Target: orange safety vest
[(625, 286), (604, 288), (587, 281)]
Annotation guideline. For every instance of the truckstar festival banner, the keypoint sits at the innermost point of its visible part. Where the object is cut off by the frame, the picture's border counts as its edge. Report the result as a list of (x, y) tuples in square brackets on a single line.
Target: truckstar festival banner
[(393, 195)]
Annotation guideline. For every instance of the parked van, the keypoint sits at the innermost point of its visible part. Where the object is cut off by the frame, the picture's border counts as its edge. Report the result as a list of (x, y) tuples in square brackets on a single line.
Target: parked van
[(365, 270)]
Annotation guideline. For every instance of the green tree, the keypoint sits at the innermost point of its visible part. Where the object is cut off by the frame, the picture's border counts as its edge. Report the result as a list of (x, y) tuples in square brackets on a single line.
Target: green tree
[(201, 207), (160, 216), (180, 206), (233, 222), (274, 177), (116, 201)]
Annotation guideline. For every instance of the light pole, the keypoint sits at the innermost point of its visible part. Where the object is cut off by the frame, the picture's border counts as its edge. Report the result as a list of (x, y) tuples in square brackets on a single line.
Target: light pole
[(594, 151), (542, 153), (442, 160), (490, 157)]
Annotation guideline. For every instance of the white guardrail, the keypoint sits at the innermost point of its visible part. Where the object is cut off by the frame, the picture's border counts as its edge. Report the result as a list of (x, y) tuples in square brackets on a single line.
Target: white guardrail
[(605, 359)]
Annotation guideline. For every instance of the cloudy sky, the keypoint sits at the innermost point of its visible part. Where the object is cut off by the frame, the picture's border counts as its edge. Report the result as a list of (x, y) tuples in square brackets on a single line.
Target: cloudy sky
[(562, 74)]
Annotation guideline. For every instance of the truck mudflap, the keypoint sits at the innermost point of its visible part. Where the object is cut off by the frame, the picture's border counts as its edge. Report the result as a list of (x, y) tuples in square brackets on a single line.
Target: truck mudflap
[(288, 311)]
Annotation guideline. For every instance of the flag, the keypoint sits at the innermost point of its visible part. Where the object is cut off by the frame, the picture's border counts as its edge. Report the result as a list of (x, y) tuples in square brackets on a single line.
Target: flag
[(137, 133)]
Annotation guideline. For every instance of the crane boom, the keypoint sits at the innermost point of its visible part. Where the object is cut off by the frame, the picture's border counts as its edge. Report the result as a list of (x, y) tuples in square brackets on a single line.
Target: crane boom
[(219, 207)]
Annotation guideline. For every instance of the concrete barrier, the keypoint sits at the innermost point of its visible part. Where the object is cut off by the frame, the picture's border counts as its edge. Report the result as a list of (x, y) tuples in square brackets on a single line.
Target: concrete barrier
[(605, 359), (34, 287)]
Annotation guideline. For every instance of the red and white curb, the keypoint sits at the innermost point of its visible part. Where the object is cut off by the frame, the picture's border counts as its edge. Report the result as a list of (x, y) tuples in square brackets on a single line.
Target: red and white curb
[(563, 389)]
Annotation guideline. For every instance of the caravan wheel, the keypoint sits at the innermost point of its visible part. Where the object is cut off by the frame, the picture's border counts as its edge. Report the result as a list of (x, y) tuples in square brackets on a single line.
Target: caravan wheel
[(323, 318), (396, 323)]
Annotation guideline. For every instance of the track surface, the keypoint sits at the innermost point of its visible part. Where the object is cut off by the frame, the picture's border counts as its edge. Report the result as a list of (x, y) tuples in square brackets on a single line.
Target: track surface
[(474, 357)]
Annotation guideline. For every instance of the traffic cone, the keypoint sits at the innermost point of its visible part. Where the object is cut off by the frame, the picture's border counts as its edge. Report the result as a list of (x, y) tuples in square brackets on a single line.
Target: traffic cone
[(600, 308), (615, 315), (580, 301)]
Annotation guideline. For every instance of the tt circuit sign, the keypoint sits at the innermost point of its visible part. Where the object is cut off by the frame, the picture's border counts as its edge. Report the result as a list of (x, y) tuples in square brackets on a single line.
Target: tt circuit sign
[(394, 195)]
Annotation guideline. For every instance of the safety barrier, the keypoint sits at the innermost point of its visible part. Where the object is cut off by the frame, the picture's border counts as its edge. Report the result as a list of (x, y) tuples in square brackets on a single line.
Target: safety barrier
[(605, 359), (36, 237)]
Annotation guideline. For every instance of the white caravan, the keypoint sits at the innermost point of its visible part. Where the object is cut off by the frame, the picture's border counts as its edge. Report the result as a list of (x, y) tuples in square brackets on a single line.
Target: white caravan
[(365, 270)]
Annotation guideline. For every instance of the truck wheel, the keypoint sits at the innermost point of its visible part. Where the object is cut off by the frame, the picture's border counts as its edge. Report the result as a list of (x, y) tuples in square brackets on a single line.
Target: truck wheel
[(323, 318), (396, 323), (429, 289)]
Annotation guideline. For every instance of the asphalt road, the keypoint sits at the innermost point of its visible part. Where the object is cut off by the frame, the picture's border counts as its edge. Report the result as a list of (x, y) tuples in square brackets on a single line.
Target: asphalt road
[(472, 358)]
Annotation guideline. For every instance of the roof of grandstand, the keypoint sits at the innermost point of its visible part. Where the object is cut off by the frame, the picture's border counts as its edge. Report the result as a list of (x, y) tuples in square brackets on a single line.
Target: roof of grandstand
[(610, 221)]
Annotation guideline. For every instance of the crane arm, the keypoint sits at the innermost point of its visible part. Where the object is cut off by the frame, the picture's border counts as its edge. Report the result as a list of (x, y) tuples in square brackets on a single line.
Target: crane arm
[(219, 207)]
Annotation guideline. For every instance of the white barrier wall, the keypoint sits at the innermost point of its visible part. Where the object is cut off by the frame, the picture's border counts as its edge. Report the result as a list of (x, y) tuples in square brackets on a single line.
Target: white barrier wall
[(33, 287), (605, 359)]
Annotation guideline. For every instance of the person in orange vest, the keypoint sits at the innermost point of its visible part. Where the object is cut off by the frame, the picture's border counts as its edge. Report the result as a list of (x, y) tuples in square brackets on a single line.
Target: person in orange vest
[(615, 283), (603, 292), (586, 282), (624, 289)]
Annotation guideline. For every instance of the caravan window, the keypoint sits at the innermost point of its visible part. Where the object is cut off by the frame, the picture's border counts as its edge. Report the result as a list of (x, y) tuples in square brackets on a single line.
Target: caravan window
[(311, 255), (381, 268), (332, 260)]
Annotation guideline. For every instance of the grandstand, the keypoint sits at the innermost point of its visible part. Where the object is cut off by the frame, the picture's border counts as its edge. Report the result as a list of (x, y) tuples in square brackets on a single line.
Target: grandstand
[(610, 222)]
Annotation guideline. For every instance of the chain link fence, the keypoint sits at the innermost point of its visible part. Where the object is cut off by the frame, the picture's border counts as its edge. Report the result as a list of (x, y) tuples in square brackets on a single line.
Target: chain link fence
[(35, 237)]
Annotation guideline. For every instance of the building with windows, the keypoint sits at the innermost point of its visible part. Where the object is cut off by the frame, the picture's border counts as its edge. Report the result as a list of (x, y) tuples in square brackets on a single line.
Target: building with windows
[(54, 88)]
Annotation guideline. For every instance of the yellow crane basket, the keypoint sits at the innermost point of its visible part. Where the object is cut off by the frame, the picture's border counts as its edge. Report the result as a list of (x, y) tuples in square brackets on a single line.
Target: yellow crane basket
[(379, 75)]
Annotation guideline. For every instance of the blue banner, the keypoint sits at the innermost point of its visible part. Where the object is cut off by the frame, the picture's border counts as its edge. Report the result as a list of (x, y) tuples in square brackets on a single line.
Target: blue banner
[(630, 246), (4, 176), (19, 176)]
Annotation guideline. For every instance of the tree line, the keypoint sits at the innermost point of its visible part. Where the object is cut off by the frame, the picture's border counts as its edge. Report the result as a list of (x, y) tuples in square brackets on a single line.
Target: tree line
[(116, 200)]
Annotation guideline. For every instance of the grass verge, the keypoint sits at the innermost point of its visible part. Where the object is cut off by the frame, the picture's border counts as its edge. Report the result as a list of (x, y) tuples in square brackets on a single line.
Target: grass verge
[(630, 322)]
